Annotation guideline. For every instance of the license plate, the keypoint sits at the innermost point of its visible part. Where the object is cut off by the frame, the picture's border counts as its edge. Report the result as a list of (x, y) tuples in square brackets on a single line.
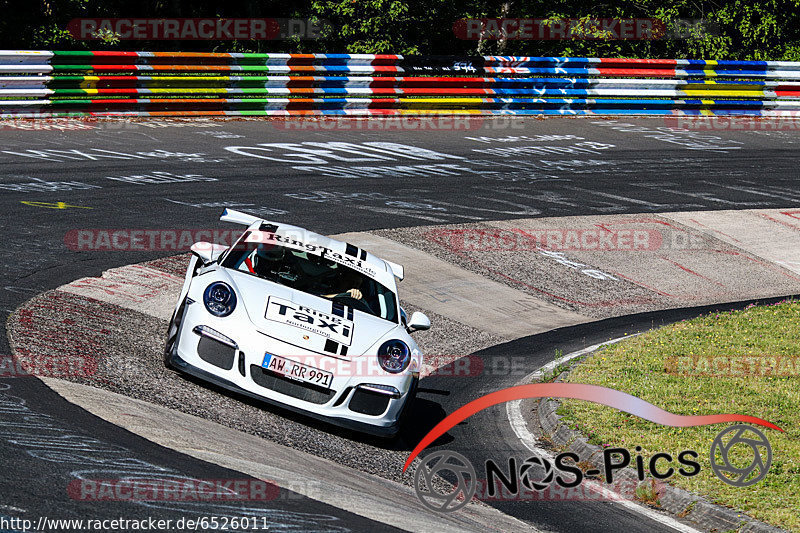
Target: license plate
[(297, 371)]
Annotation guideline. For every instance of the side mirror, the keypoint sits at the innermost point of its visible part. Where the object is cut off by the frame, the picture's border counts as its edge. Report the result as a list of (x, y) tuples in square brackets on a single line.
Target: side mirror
[(208, 252), (419, 321)]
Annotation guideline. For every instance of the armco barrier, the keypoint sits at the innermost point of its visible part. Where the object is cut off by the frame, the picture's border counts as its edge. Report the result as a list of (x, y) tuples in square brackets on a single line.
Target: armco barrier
[(45, 84)]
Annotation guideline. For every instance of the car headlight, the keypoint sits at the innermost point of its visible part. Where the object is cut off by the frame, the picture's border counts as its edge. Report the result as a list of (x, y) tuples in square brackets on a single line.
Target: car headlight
[(219, 298), (394, 356)]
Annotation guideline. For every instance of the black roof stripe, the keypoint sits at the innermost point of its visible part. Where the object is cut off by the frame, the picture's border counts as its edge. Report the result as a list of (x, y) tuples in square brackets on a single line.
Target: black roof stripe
[(268, 228)]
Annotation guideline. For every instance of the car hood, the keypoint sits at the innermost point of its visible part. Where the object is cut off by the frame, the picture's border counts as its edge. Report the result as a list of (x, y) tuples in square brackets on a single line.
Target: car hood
[(305, 321)]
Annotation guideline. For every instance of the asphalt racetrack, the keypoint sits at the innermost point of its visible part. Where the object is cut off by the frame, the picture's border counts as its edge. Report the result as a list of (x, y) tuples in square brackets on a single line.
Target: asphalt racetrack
[(180, 174)]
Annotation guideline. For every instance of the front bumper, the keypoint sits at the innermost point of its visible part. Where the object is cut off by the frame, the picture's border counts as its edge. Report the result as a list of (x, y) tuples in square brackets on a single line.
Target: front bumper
[(386, 431), (344, 405)]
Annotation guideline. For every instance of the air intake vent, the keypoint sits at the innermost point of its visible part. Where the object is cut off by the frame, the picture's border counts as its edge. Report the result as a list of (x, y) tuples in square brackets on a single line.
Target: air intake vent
[(216, 353), (368, 403)]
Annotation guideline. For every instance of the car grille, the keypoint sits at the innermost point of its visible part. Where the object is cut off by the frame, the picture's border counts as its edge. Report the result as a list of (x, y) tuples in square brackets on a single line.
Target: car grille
[(216, 353), (295, 389), (368, 402)]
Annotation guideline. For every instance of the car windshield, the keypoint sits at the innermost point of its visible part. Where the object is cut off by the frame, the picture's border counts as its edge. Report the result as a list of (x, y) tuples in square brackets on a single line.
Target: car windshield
[(314, 274)]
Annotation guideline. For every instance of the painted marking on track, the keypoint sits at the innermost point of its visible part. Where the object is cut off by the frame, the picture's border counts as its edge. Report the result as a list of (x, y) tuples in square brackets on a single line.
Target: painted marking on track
[(604, 303), (786, 224), (131, 284), (791, 214), (640, 284), (690, 271), (27, 431), (714, 230), (527, 439), (56, 205)]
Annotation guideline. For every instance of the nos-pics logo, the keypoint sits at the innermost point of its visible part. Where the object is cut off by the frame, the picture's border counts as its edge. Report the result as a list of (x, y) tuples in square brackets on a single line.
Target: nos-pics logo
[(445, 480), (439, 495)]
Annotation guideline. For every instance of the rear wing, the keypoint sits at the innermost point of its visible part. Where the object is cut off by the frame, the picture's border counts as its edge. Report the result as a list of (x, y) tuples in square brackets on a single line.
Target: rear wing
[(397, 270), (237, 217)]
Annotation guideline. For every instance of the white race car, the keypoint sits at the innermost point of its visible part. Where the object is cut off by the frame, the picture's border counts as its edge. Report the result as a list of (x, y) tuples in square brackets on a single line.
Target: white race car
[(300, 320)]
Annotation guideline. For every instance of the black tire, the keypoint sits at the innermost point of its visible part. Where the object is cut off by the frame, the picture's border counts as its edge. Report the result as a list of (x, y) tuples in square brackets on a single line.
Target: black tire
[(172, 335)]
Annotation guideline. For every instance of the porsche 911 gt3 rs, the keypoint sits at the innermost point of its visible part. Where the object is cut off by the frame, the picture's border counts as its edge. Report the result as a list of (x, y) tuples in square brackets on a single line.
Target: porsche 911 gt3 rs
[(301, 320)]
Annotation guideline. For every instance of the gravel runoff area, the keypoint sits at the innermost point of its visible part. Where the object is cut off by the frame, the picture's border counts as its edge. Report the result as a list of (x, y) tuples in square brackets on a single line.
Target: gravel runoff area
[(530, 268), (663, 277), (120, 350)]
